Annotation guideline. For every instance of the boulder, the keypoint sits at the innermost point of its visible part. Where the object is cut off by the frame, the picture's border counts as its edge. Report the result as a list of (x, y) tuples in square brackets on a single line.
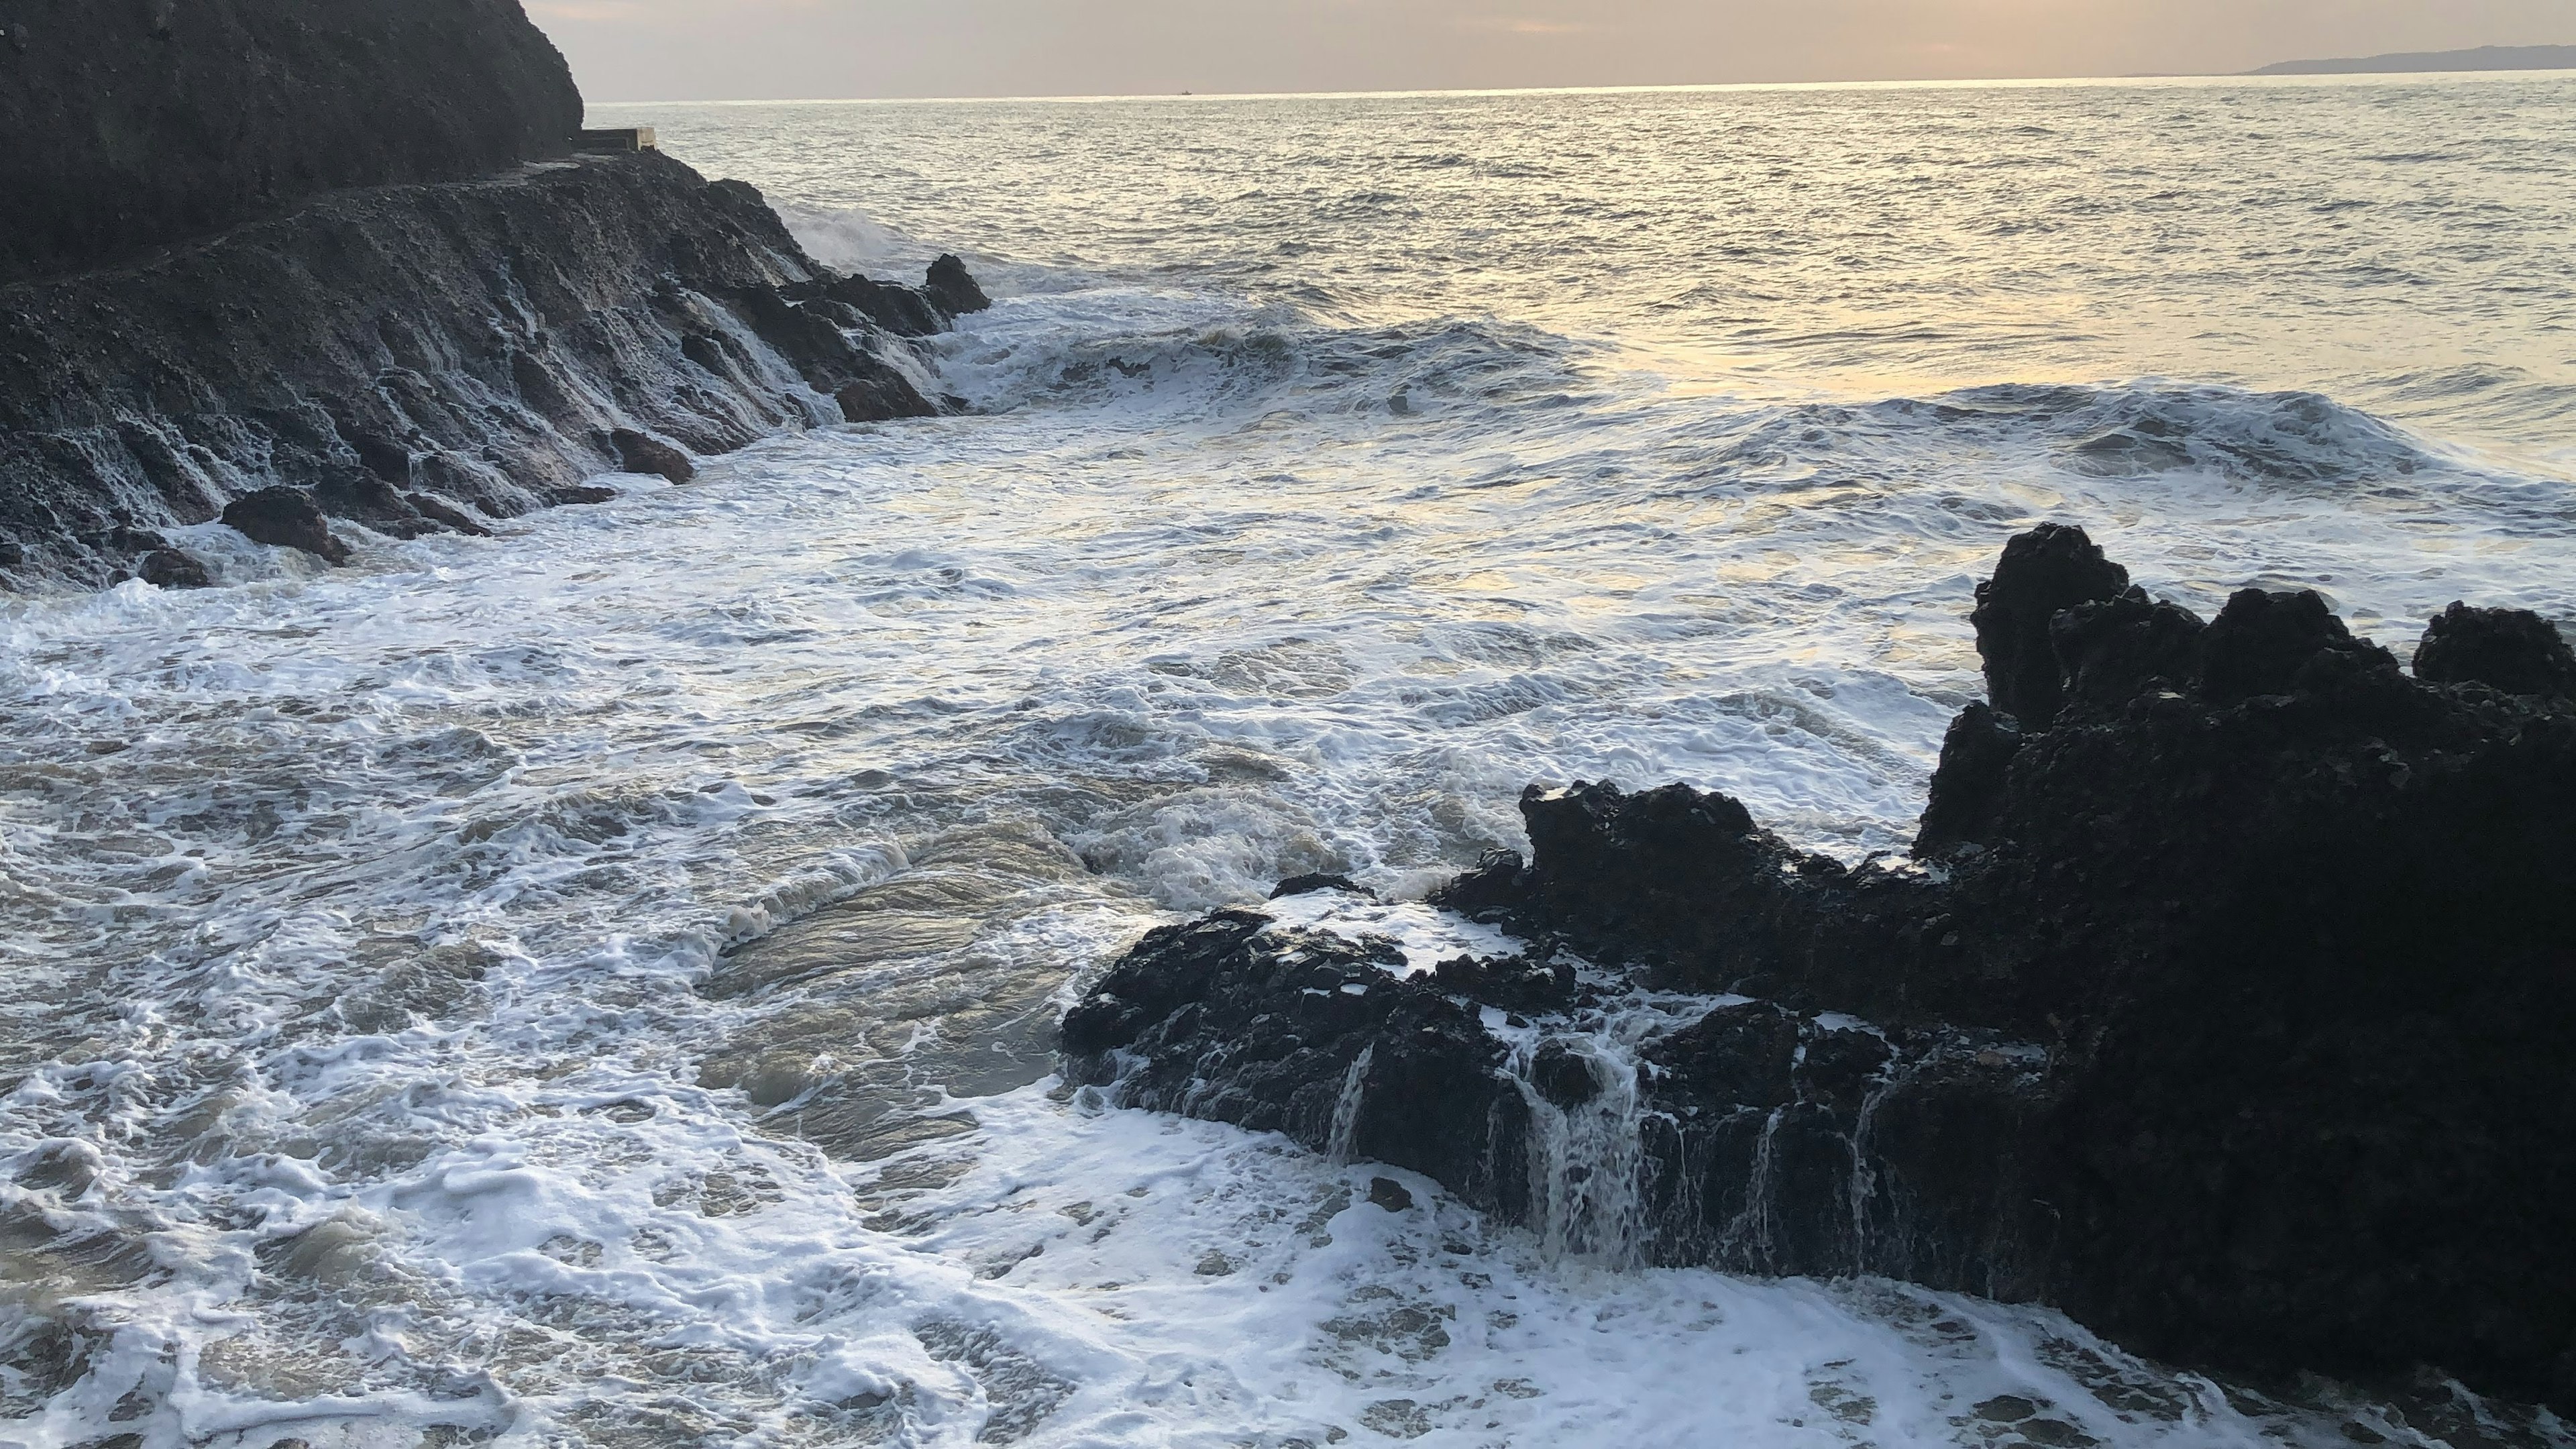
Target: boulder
[(286, 518), (169, 568), (882, 396), (638, 453)]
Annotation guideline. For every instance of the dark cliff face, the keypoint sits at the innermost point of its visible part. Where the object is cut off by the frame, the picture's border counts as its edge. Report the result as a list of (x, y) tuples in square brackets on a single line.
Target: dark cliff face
[(2224, 1006), (136, 123), (421, 358)]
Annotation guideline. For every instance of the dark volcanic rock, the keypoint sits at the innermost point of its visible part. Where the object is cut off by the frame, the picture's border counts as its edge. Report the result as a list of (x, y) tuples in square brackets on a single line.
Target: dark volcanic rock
[(413, 356), (1234, 1021), (1307, 885), (2044, 573), (2514, 650), (953, 290), (2227, 1009), (286, 518), (637, 453), (145, 122), (883, 397), (168, 568)]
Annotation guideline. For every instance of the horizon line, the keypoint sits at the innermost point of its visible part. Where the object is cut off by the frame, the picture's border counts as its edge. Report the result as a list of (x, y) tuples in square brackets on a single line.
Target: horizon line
[(1955, 83)]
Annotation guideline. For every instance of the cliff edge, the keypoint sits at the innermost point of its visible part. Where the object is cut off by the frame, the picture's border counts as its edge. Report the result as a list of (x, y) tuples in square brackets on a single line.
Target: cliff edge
[(337, 263), (135, 123)]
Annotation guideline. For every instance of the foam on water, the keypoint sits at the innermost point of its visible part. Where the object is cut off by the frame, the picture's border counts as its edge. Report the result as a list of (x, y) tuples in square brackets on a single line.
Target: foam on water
[(593, 985)]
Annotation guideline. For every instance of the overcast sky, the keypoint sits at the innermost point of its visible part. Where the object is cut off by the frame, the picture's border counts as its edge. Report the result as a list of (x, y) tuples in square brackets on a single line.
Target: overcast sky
[(815, 49)]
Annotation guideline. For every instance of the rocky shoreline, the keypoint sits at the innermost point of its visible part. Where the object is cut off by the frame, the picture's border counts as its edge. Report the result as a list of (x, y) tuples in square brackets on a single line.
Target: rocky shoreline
[(370, 338), (2222, 1003)]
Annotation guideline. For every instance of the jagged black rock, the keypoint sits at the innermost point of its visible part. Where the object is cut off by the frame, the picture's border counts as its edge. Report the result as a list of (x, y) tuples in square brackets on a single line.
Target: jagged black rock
[(2224, 1002)]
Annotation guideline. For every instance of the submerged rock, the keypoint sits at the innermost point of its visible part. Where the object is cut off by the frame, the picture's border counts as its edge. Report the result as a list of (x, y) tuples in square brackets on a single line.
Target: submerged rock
[(2224, 1004), (169, 568)]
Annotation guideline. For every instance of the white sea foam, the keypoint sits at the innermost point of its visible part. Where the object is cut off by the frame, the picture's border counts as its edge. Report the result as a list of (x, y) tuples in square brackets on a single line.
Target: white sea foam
[(590, 985)]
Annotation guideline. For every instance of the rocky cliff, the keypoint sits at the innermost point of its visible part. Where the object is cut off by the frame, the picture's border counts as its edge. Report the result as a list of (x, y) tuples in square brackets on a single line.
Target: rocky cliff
[(421, 357), (330, 272), (2224, 1003), (134, 123)]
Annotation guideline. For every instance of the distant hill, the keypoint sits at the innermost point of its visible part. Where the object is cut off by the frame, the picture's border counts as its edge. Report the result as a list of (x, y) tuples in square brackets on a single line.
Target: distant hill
[(2485, 57)]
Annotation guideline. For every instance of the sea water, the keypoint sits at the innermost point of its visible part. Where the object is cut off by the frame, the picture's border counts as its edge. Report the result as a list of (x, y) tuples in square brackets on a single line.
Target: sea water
[(593, 986)]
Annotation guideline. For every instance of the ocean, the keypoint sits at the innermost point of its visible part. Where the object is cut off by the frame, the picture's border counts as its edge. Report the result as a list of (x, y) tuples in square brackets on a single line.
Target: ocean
[(593, 986)]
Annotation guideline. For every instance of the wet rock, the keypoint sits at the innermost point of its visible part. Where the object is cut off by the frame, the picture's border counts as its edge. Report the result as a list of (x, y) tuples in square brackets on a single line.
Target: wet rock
[(1967, 791), (369, 266), (1390, 1194), (2113, 650), (638, 453), (1307, 885), (1515, 983), (1238, 1021), (1563, 1075), (2225, 1007), (2514, 650), (903, 311), (953, 290), (438, 510), (286, 518), (2044, 573), (169, 568), (883, 396)]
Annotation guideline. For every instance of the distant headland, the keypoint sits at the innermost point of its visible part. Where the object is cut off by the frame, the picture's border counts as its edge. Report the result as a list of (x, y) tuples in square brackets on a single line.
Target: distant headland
[(2485, 57)]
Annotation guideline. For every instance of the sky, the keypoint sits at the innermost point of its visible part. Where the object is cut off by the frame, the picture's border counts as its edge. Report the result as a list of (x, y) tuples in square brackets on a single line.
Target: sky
[(673, 50)]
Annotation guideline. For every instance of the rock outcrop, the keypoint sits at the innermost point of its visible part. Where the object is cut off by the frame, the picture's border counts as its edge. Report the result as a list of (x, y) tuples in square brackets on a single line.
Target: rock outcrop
[(2223, 1004), (137, 123), (336, 249)]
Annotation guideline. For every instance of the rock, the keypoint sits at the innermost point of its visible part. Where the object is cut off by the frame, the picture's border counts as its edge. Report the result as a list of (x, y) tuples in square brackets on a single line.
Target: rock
[(903, 311), (1390, 1194), (168, 568), (439, 510), (2514, 650), (1248, 1024), (286, 518), (2231, 1022), (1967, 791), (2262, 643), (259, 242), (1563, 1076), (351, 350), (2043, 573), (953, 290), (882, 397), (135, 125), (637, 453), (1307, 885)]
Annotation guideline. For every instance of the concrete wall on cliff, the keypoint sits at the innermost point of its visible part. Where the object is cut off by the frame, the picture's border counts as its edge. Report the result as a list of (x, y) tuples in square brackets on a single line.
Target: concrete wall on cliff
[(137, 123)]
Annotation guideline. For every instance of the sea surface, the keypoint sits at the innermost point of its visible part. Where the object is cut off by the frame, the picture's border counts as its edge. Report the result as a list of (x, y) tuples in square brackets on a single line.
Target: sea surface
[(592, 986)]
